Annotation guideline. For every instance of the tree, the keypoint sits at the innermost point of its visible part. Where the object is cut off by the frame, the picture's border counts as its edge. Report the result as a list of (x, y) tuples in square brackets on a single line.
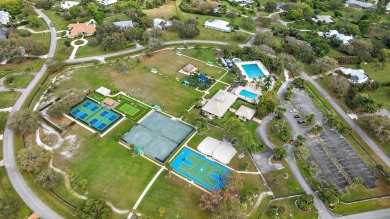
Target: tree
[(340, 85), (270, 6), (302, 153), (365, 103), (114, 41), (75, 11), (153, 45), (122, 67), (23, 122), (269, 102), (69, 99), (365, 26), (235, 70), (93, 208), (202, 125), (324, 64), (11, 6), (316, 129), (310, 118), (47, 179), (300, 140), (266, 49), (189, 29), (299, 83), (279, 112), (276, 211), (31, 159), (55, 64), (312, 168), (266, 38), (356, 181), (44, 4), (305, 202), (380, 125), (248, 23), (332, 121), (210, 201), (34, 21), (329, 194), (279, 153), (8, 207)]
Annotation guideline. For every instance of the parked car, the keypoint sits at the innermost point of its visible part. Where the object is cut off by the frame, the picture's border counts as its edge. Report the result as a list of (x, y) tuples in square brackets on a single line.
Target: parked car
[(297, 116), (301, 121)]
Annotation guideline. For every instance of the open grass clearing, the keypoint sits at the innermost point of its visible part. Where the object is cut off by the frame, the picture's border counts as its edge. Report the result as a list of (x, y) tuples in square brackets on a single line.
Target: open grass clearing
[(112, 173), (8, 98), (42, 37), (371, 205), (42, 26), (292, 210), (20, 81), (29, 65), (236, 105), (88, 50), (280, 185), (3, 121), (272, 134), (58, 21), (62, 51), (208, 54), (218, 86)]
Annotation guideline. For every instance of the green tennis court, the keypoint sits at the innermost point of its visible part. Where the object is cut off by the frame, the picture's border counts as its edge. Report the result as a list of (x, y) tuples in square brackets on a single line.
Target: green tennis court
[(132, 108), (129, 109)]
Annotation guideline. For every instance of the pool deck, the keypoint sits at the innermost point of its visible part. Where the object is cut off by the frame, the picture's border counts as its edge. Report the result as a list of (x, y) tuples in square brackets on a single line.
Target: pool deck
[(250, 88), (258, 63)]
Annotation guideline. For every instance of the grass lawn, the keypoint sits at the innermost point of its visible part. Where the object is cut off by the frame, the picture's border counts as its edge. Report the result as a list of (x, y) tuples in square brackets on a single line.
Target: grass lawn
[(236, 105), (42, 26), (29, 65), (292, 210), (88, 50), (20, 81), (3, 121), (208, 54), (173, 194), (281, 186), (108, 167), (8, 98), (227, 78), (161, 88), (61, 52), (214, 132), (382, 96), (59, 22), (272, 135), (370, 205), (42, 37), (218, 86)]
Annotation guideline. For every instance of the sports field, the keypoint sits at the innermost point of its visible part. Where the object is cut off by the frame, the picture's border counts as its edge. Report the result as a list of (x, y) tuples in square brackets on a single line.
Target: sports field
[(94, 115), (132, 108), (199, 169)]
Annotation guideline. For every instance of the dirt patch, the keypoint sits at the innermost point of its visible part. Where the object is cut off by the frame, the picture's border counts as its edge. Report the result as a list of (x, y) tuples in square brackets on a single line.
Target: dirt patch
[(71, 144)]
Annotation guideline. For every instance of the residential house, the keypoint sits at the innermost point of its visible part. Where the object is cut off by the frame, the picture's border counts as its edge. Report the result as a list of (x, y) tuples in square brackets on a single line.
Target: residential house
[(68, 4), (219, 104), (218, 25), (107, 2), (359, 4), (356, 76), (124, 24), (325, 19), (245, 113), (162, 24), (4, 17), (345, 39), (4, 33), (86, 29), (188, 69)]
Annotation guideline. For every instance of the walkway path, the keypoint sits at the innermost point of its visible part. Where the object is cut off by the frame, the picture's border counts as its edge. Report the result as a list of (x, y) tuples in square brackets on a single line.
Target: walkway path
[(76, 47), (6, 109), (4, 88)]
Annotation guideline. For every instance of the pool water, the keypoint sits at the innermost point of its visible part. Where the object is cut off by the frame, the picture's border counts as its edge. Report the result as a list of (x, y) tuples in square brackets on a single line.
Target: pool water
[(253, 71), (248, 94)]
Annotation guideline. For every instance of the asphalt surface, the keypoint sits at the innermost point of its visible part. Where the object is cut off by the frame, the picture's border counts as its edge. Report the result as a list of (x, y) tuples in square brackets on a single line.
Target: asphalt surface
[(16, 178), (350, 122)]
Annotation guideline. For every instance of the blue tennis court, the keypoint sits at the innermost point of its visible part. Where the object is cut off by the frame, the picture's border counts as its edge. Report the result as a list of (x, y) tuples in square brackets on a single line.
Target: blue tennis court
[(199, 169), (94, 115)]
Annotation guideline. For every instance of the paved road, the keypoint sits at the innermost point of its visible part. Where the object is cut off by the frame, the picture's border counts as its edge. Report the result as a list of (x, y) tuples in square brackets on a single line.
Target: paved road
[(350, 122), (21, 187)]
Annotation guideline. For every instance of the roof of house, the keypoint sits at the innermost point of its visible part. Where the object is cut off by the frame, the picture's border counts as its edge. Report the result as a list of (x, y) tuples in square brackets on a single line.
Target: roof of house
[(160, 23), (68, 4), (219, 150), (358, 73), (220, 103), (4, 17), (104, 91), (124, 24), (107, 2), (33, 216), (3, 33), (327, 19), (245, 112), (359, 3), (342, 37), (108, 101), (188, 68), (218, 24), (80, 28)]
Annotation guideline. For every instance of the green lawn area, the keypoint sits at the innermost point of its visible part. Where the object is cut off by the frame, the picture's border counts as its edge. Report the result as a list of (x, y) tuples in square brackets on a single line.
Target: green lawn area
[(42, 37), (42, 26), (218, 86), (20, 81), (161, 88), (292, 210), (112, 173), (3, 121), (281, 186), (59, 22), (8, 98), (30, 65), (236, 105), (207, 54), (227, 78), (382, 96), (370, 205), (61, 52), (88, 50), (272, 135)]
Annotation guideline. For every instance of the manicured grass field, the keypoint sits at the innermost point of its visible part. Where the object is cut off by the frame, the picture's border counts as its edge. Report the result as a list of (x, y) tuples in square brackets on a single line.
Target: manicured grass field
[(88, 50), (371, 205), (236, 105), (59, 22), (111, 171), (208, 54), (292, 210), (30, 65), (281, 186), (97, 96), (8, 98), (162, 88), (132, 108), (3, 121), (20, 81), (218, 86)]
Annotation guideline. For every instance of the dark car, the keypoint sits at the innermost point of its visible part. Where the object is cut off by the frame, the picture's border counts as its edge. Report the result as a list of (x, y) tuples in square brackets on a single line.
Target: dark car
[(301, 121), (297, 116)]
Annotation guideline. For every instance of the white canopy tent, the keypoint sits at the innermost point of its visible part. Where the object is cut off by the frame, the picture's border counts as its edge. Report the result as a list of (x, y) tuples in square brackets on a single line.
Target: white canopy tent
[(218, 150), (103, 91)]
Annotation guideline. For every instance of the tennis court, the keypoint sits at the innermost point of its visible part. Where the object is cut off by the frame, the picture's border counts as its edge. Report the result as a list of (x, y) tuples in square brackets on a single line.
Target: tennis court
[(94, 115), (157, 135), (132, 108), (199, 169)]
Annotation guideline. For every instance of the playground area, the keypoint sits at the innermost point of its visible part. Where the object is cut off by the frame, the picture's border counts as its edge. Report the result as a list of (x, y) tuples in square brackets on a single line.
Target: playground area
[(94, 115), (157, 135), (132, 108), (199, 169)]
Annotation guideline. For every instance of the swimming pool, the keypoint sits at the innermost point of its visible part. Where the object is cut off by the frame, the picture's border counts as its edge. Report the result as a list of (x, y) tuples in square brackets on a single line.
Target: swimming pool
[(248, 94), (252, 70)]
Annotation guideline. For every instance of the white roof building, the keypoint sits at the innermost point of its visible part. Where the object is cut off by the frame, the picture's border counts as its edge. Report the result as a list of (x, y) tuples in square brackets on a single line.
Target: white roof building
[(358, 76), (359, 4), (245, 113), (218, 25), (124, 24), (218, 150), (326, 19), (219, 104), (345, 39), (162, 24), (388, 8), (4, 17), (103, 91), (107, 2), (68, 4)]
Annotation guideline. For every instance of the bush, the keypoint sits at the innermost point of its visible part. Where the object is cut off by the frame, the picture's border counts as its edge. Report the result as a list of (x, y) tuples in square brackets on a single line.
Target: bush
[(67, 43)]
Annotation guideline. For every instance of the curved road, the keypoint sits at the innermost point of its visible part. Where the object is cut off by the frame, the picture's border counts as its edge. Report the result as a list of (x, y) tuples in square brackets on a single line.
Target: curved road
[(350, 122), (21, 187)]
